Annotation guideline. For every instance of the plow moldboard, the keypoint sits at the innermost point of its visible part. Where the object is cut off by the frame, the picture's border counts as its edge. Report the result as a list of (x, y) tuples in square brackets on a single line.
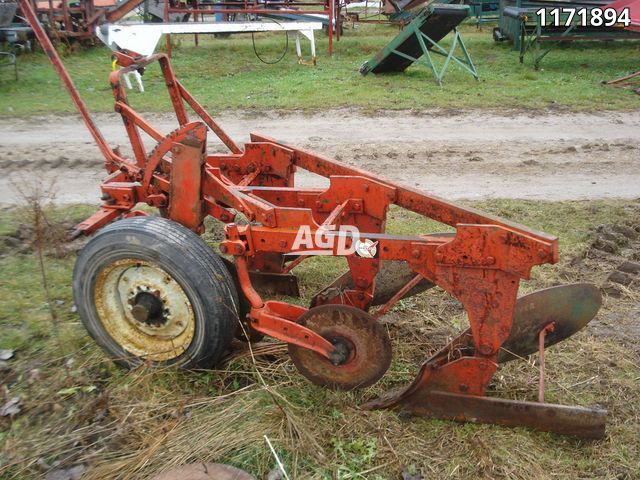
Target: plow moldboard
[(569, 307)]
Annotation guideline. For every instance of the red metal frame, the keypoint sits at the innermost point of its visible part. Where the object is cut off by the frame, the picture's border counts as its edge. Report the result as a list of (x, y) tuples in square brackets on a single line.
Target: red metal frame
[(481, 266)]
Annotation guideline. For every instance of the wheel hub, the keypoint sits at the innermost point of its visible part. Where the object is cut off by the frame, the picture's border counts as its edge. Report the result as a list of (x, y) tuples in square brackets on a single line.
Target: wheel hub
[(147, 308), (144, 309), (342, 353)]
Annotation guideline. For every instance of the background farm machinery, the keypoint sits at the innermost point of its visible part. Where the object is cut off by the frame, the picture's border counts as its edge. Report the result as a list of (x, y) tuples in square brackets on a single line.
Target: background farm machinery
[(149, 289), (77, 21)]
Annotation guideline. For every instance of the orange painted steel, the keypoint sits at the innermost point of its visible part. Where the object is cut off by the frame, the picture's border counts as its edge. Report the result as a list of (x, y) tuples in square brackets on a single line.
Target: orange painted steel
[(481, 265)]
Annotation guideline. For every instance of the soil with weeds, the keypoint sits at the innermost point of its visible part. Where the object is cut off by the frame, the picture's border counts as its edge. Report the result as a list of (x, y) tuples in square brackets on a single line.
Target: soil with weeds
[(78, 411)]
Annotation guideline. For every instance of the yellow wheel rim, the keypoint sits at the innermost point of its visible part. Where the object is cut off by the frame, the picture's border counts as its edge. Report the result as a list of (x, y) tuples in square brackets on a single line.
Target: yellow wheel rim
[(144, 309)]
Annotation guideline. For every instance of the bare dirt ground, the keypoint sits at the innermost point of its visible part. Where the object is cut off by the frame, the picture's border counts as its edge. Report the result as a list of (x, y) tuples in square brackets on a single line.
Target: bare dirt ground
[(454, 155)]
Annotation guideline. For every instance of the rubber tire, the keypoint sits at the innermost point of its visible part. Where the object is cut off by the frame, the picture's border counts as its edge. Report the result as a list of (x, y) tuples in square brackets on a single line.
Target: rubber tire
[(188, 259)]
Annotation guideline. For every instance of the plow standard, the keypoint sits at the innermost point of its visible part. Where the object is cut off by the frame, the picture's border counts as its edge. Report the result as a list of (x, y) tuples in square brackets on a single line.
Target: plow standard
[(149, 289)]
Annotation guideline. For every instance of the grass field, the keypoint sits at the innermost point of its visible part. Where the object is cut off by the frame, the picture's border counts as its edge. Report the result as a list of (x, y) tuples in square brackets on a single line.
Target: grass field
[(77, 408), (225, 74)]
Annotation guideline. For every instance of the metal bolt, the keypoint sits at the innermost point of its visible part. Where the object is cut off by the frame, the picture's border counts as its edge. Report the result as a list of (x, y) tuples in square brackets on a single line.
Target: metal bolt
[(223, 166), (283, 243), (223, 249), (490, 261), (463, 387), (238, 249), (415, 253)]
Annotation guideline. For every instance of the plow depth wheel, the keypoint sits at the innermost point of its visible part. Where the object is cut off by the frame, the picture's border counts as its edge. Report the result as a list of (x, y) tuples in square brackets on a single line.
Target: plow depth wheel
[(363, 343), (148, 289)]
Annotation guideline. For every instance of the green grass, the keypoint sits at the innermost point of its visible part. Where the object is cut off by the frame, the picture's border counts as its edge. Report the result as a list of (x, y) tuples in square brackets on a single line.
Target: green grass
[(80, 408), (225, 74)]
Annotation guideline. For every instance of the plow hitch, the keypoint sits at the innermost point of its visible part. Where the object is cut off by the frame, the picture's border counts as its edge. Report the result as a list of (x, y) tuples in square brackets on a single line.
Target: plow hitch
[(149, 289)]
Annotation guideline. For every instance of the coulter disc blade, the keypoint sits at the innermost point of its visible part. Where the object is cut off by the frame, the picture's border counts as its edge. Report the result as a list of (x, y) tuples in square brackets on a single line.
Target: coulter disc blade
[(365, 342)]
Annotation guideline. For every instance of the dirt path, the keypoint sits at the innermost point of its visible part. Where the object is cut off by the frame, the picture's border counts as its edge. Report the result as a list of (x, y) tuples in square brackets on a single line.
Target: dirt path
[(468, 155)]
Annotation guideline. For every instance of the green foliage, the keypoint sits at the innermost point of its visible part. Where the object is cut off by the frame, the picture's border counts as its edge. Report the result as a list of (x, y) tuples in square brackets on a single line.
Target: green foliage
[(355, 457)]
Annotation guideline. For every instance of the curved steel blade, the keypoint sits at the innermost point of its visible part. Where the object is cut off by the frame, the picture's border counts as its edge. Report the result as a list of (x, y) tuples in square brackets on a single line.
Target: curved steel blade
[(569, 307), (392, 276)]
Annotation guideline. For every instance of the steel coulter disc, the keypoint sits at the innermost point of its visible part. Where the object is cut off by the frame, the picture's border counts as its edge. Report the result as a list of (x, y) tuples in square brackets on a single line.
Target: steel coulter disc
[(366, 341)]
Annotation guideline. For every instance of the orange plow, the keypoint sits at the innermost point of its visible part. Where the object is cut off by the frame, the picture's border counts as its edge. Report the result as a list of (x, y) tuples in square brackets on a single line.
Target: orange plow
[(149, 289)]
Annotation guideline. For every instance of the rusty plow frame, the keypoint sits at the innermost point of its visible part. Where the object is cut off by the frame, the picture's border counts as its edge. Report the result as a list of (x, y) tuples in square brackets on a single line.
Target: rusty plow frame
[(481, 264)]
